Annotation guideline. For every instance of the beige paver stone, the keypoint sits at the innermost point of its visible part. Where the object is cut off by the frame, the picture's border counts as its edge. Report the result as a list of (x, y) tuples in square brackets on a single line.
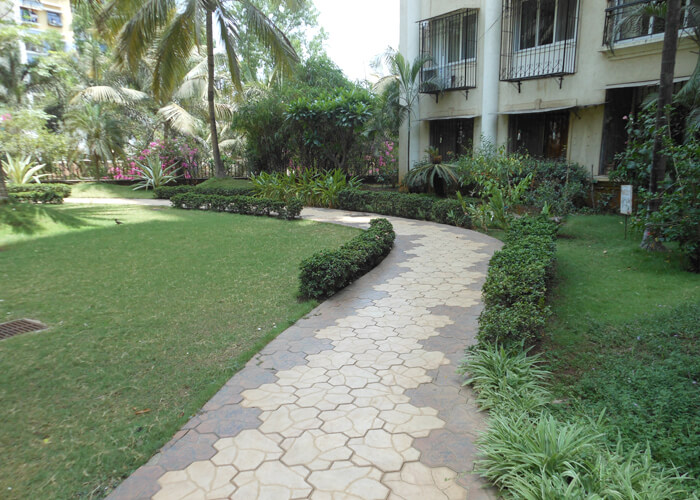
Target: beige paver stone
[(247, 450), (289, 420), (316, 450), (268, 397), (348, 478)]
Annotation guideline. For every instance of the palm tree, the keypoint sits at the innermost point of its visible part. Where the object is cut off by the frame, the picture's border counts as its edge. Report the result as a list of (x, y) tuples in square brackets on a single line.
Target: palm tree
[(100, 132), (170, 29), (4, 197), (400, 90)]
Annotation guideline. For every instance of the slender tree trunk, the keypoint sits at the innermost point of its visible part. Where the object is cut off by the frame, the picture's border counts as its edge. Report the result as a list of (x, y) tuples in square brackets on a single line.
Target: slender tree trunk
[(218, 165), (4, 198), (659, 159)]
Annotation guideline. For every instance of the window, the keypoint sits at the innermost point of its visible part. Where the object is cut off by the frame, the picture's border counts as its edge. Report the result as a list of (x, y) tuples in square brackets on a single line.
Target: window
[(627, 19), (452, 138), (449, 42), (541, 135), (54, 19), (538, 38), (542, 22), (29, 15)]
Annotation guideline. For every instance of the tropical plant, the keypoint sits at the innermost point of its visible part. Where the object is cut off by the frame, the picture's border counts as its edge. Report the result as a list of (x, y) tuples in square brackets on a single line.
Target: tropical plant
[(400, 90), (169, 31), (21, 170), (154, 174), (438, 177), (314, 188), (100, 132)]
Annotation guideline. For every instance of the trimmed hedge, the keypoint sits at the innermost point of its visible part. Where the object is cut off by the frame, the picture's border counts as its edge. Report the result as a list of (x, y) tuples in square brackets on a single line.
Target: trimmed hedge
[(329, 271), (39, 193), (167, 192), (409, 206), (515, 291), (246, 205)]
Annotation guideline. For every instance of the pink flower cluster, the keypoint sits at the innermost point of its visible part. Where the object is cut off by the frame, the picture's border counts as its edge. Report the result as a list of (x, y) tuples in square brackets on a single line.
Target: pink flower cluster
[(176, 153), (384, 158), (124, 173)]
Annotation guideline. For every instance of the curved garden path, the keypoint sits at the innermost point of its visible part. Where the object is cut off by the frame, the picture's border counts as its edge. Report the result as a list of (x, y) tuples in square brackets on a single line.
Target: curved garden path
[(358, 400)]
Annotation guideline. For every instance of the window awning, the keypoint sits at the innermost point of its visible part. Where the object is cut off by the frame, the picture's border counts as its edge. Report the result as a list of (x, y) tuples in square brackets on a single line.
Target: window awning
[(646, 83), (530, 111), (32, 4), (461, 117)]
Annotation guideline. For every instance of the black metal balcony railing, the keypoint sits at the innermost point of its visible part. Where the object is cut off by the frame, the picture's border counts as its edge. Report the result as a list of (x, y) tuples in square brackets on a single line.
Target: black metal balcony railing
[(538, 38), (449, 42), (626, 21)]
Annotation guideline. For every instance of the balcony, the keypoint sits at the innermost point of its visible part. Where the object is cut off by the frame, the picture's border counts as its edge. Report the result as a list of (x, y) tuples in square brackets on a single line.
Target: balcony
[(538, 39), (450, 44), (627, 21)]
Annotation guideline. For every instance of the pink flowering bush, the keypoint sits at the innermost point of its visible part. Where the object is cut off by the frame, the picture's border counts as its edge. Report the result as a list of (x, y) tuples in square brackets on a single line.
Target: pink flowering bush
[(177, 154), (383, 164)]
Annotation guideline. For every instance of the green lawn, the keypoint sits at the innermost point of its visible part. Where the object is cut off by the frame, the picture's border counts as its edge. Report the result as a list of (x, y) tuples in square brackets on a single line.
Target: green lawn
[(625, 338), (156, 313), (226, 182), (106, 190)]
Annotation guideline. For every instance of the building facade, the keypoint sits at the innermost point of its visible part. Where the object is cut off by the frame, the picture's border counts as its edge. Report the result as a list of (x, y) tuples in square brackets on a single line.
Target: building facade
[(42, 17), (535, 76)]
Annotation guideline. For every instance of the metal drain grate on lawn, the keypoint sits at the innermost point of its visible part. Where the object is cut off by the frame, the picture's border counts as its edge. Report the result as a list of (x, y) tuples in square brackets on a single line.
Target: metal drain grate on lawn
[(19, 326)]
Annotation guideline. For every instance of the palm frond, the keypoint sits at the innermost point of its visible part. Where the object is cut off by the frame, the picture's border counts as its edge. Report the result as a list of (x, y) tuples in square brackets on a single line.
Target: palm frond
[(172, 53), (114, 95), (228, 33), (272, 38), (179, 118)]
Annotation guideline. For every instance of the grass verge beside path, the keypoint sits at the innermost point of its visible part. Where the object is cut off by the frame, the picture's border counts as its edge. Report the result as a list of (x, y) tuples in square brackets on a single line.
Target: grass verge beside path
[(147, 320), (226, 182), (107, 190), (626, 337)]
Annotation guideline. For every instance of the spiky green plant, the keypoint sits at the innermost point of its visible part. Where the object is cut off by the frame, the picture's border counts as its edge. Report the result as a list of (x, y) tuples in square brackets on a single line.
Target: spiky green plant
[(153, 174), (21, 170)]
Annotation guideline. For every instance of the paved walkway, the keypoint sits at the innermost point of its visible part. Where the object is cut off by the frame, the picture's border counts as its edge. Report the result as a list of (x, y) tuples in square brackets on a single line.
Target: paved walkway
[(358, 400)]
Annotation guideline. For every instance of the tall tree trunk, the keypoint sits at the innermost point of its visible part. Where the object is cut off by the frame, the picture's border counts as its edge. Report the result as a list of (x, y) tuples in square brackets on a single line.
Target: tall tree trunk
[(4, 198), (218, 165), (659, 159)]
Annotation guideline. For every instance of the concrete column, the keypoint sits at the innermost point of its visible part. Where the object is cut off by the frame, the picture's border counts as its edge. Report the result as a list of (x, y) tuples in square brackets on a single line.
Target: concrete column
[(409, 46), (491, 64)]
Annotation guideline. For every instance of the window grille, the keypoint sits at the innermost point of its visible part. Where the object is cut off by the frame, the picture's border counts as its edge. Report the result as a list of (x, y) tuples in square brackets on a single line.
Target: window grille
[(450, 45), (626, 20), (538, 38)]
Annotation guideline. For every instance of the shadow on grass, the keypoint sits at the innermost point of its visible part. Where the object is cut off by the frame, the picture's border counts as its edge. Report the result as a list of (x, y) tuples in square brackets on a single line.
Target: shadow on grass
[(27, 218)]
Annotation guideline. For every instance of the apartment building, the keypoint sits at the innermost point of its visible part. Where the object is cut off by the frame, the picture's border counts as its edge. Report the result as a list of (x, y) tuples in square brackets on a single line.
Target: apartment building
[(533, 75), (42, 16)]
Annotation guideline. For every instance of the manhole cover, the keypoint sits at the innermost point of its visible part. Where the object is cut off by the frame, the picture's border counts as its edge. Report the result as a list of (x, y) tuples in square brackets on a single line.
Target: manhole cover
[(12, 328)]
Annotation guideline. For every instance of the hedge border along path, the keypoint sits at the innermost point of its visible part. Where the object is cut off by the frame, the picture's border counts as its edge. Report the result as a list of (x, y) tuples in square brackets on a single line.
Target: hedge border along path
[(360, 397)]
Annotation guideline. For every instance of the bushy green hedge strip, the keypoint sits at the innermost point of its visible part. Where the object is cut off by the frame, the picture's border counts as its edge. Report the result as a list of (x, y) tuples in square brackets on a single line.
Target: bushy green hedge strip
[(324, 273), (516, 286), (409, 206), (39, 193), (167, 192), (246, 205)]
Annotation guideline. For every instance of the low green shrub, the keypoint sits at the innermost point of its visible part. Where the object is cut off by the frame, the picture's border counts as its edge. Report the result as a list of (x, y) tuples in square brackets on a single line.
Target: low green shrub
[(515, 290), (246, 205), (39, 193), (409, 206), (529, 453), (327, 272), (167, 192)]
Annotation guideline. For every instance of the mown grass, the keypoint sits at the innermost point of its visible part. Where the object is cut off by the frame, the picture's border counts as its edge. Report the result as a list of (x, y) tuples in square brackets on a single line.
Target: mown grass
[(107, 190), (154, 314), (226, 182), (624, 337)]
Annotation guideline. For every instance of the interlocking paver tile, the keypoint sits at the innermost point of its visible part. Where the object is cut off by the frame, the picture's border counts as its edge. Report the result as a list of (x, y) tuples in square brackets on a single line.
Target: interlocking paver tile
[(358, 400)]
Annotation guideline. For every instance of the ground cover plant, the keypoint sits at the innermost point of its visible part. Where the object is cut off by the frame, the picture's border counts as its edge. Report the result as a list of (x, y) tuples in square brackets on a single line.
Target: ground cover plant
[(625, 338), (643, 375), (145, 326)]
